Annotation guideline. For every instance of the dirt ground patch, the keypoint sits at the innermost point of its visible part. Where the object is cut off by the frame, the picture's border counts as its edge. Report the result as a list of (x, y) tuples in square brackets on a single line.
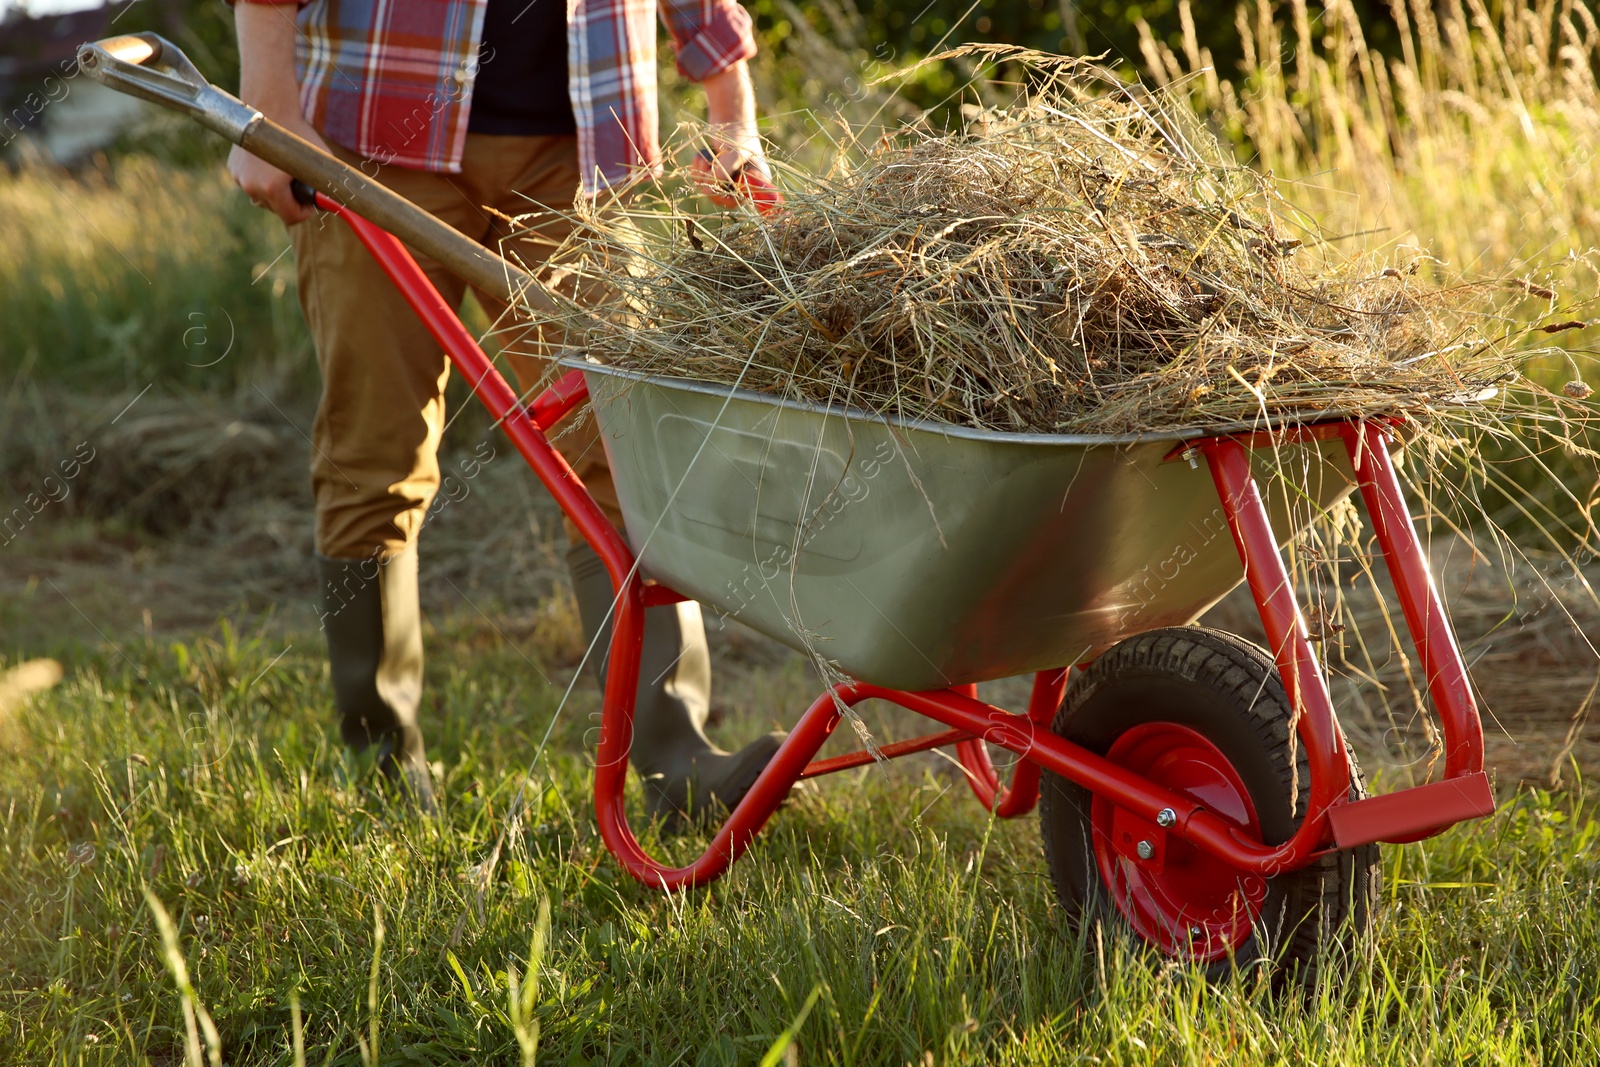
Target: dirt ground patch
[(493, 561)]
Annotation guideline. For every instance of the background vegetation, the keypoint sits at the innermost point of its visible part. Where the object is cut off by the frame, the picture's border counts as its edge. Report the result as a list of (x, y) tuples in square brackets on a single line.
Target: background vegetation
[(147, 310)]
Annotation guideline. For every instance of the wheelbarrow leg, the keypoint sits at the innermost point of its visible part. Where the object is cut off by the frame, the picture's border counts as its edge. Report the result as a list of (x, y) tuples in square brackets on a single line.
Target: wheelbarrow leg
[(751, 813), (1464, 792), (1424, 613)]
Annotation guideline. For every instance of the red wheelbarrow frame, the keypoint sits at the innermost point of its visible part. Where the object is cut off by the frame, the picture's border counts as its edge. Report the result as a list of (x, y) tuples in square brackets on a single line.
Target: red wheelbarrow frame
[(1332, 821)]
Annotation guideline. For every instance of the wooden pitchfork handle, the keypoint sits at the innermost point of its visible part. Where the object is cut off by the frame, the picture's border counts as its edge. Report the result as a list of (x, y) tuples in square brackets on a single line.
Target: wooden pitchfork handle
[(149, 67)]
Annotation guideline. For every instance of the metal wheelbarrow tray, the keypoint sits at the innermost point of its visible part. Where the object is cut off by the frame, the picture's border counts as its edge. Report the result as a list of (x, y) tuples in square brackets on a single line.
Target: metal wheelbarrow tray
[(919, 556), (1217, 810)]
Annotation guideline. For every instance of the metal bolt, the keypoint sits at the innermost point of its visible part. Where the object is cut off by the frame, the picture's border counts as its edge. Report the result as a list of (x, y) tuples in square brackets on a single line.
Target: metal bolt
[(1195, 933), (1194, 461), (1166, 817), (1146, 850)]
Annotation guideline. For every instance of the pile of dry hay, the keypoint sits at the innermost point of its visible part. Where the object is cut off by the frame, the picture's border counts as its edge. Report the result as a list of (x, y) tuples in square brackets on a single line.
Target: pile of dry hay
[(1086, 261)]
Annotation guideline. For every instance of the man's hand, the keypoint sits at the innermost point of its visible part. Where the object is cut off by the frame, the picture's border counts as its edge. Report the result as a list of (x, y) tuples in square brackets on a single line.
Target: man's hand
[(266, 185), (735, 149), (266, 82)]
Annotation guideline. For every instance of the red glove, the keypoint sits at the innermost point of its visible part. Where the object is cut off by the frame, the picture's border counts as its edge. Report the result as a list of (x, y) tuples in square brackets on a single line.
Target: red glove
[(745, 182)]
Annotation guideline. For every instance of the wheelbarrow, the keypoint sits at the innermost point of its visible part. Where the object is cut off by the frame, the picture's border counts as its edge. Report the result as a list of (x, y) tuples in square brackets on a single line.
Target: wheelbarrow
[(1192, 787)]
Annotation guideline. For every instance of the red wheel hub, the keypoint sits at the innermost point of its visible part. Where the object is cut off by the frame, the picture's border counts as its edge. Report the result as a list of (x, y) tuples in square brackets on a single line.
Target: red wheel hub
[(1189, 904)]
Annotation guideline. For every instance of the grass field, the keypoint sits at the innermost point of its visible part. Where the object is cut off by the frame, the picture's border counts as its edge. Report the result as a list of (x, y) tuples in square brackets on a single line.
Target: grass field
[(191, 872), (918, 931)]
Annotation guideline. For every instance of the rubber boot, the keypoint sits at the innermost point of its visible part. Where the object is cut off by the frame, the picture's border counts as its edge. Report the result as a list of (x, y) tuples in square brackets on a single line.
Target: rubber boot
[(373, 619), (683, 773)]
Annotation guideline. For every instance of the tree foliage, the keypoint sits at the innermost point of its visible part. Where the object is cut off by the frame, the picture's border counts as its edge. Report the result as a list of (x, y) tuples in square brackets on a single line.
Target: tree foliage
[(1069, 27)]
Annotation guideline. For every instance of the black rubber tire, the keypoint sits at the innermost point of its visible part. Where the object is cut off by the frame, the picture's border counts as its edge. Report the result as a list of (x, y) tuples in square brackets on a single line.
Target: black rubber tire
[(1228, 690)]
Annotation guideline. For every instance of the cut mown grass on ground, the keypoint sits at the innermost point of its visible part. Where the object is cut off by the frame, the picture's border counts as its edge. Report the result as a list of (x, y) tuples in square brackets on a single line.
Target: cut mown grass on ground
[(207, 774)]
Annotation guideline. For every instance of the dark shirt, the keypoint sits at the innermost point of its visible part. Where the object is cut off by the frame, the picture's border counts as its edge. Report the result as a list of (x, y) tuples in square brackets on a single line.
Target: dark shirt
[(521, 87)]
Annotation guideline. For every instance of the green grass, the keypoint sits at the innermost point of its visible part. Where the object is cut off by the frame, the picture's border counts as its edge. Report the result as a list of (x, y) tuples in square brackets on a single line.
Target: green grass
[(142, 271), (206, 774)]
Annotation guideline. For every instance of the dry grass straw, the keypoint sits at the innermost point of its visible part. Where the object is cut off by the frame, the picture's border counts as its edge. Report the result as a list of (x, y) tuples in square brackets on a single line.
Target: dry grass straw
[(1088, 260), (1476, 140)]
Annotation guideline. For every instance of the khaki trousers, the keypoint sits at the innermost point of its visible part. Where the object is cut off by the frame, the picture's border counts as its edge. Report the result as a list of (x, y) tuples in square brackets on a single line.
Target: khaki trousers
[(374, 464)]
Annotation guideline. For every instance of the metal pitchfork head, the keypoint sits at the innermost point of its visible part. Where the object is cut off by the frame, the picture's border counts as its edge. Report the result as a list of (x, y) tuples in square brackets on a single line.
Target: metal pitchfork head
[(152, 68)]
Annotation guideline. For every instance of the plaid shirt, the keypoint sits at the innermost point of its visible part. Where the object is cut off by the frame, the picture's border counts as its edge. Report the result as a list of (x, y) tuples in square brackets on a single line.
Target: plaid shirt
[(392, 79)]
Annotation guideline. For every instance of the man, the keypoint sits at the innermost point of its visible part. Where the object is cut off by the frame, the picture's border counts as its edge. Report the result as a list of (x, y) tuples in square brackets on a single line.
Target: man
[(475, 110)]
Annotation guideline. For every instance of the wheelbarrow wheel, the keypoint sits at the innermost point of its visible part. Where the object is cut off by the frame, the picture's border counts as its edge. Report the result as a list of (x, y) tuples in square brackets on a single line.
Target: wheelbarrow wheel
[(1204, 713)]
